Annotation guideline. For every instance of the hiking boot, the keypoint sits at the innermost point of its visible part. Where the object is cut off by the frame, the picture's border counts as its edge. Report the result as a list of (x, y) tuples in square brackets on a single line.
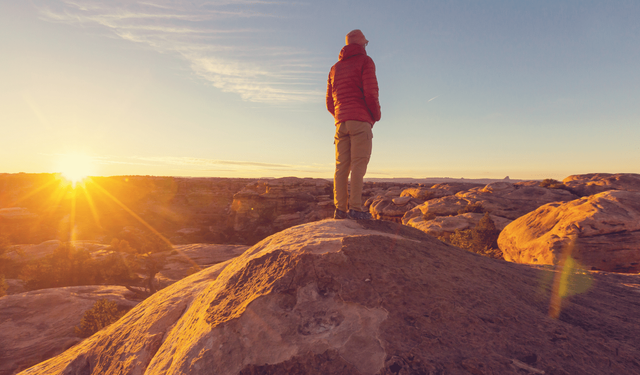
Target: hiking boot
[(358, 215), (339, 214)]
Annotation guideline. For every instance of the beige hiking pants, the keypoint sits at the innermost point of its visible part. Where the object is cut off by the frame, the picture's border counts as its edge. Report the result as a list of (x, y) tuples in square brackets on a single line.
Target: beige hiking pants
[(353, 142)]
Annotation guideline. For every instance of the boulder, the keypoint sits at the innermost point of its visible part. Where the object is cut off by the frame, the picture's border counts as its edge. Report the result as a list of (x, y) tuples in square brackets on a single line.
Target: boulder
[(501, 199), (443, 226), (370, 297), (510, 201), (437, 190), (391, 209), (594, 183), (38, 325), (600, 232)]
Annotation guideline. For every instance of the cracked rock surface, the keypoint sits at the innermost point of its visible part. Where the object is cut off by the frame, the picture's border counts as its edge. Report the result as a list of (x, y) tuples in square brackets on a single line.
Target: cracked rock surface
[(371, 297)]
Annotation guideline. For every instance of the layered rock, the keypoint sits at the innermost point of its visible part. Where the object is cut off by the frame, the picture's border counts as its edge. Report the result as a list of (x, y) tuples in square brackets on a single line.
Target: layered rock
[(503, 200), (346, 297), (393, 203), (600, 232), (438, 190), (38, 325), (391, 208), (268, 206), (443, 226), (594, 183)]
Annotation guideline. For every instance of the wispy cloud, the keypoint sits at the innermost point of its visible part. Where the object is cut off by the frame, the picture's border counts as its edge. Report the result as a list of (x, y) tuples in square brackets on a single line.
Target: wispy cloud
[(191, 164), (432, 98), (189, 161), (217, 39)]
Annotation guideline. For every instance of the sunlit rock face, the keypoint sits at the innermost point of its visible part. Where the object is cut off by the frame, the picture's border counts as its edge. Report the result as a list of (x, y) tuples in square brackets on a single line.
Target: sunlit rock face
[(271, 205), (184, 260), (392, 202), (594, 183), (346, 297), (37, 325), (442, 225), (606, 228), (503, 200), (438, 190), (391, 208)]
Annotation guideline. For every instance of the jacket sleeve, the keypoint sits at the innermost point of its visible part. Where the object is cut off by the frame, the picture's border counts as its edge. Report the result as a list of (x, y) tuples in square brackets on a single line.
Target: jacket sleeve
[(329, 99), (370, 88)]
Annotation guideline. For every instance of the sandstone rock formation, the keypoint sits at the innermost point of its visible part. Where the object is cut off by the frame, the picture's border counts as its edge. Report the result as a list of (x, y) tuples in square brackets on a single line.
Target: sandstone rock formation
[(504, 200), (269, 206), (393, 201), (594, 183), (345, 297), (438, 190), (442, 226), (391, 208), (606, 228), (38, 325), (188, 259)]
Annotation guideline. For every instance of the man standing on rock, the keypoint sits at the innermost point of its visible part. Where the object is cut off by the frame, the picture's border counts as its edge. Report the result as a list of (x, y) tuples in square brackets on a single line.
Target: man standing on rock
[(352, 99)]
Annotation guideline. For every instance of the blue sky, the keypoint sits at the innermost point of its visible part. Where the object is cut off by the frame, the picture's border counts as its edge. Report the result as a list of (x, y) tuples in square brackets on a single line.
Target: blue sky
[(474, 89)]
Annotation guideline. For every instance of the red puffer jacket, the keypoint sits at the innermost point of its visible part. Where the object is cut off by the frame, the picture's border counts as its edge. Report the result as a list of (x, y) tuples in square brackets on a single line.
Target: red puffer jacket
[(352, 87)]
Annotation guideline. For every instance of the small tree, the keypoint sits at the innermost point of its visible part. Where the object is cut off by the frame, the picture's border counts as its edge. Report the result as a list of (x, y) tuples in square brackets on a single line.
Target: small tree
[(485, 234), (482, 239), (102, 314)]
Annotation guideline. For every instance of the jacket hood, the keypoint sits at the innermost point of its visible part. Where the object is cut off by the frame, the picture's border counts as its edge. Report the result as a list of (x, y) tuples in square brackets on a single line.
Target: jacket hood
[(351, 50)]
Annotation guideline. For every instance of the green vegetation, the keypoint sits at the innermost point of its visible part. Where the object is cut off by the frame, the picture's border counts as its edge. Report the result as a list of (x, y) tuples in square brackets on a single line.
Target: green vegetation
[(102, 314), (482, 239)]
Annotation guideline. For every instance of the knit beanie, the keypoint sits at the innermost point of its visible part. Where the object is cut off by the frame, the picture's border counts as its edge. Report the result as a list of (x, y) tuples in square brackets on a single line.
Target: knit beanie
[(356, 37)]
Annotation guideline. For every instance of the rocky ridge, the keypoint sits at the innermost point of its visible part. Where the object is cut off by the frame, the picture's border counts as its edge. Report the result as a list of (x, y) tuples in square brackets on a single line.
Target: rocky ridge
[(346, 297)]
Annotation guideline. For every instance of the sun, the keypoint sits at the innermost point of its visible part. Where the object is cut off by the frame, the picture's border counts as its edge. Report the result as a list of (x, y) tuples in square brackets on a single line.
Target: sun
[(75, 167)]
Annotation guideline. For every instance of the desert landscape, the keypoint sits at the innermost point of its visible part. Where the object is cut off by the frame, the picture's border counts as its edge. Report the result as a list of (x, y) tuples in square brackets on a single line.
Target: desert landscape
[(253, 276), (258, 187)]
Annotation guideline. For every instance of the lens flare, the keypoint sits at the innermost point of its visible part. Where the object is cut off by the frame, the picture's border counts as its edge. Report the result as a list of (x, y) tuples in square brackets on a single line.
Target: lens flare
[(75, 167)]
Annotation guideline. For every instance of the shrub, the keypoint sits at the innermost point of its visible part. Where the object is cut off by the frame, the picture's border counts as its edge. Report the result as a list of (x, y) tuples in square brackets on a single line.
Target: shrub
[(67, 266), (482, 239), (485, 234), (476, 208), (462, 239), (102, 314), (550, 183)]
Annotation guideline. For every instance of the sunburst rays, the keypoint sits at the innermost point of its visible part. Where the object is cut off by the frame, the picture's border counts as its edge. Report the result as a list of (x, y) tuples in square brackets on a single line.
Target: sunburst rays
[(60, 193)]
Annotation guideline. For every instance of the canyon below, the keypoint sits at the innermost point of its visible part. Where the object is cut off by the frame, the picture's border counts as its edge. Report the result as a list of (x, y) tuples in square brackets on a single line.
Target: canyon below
[(253, 276)]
